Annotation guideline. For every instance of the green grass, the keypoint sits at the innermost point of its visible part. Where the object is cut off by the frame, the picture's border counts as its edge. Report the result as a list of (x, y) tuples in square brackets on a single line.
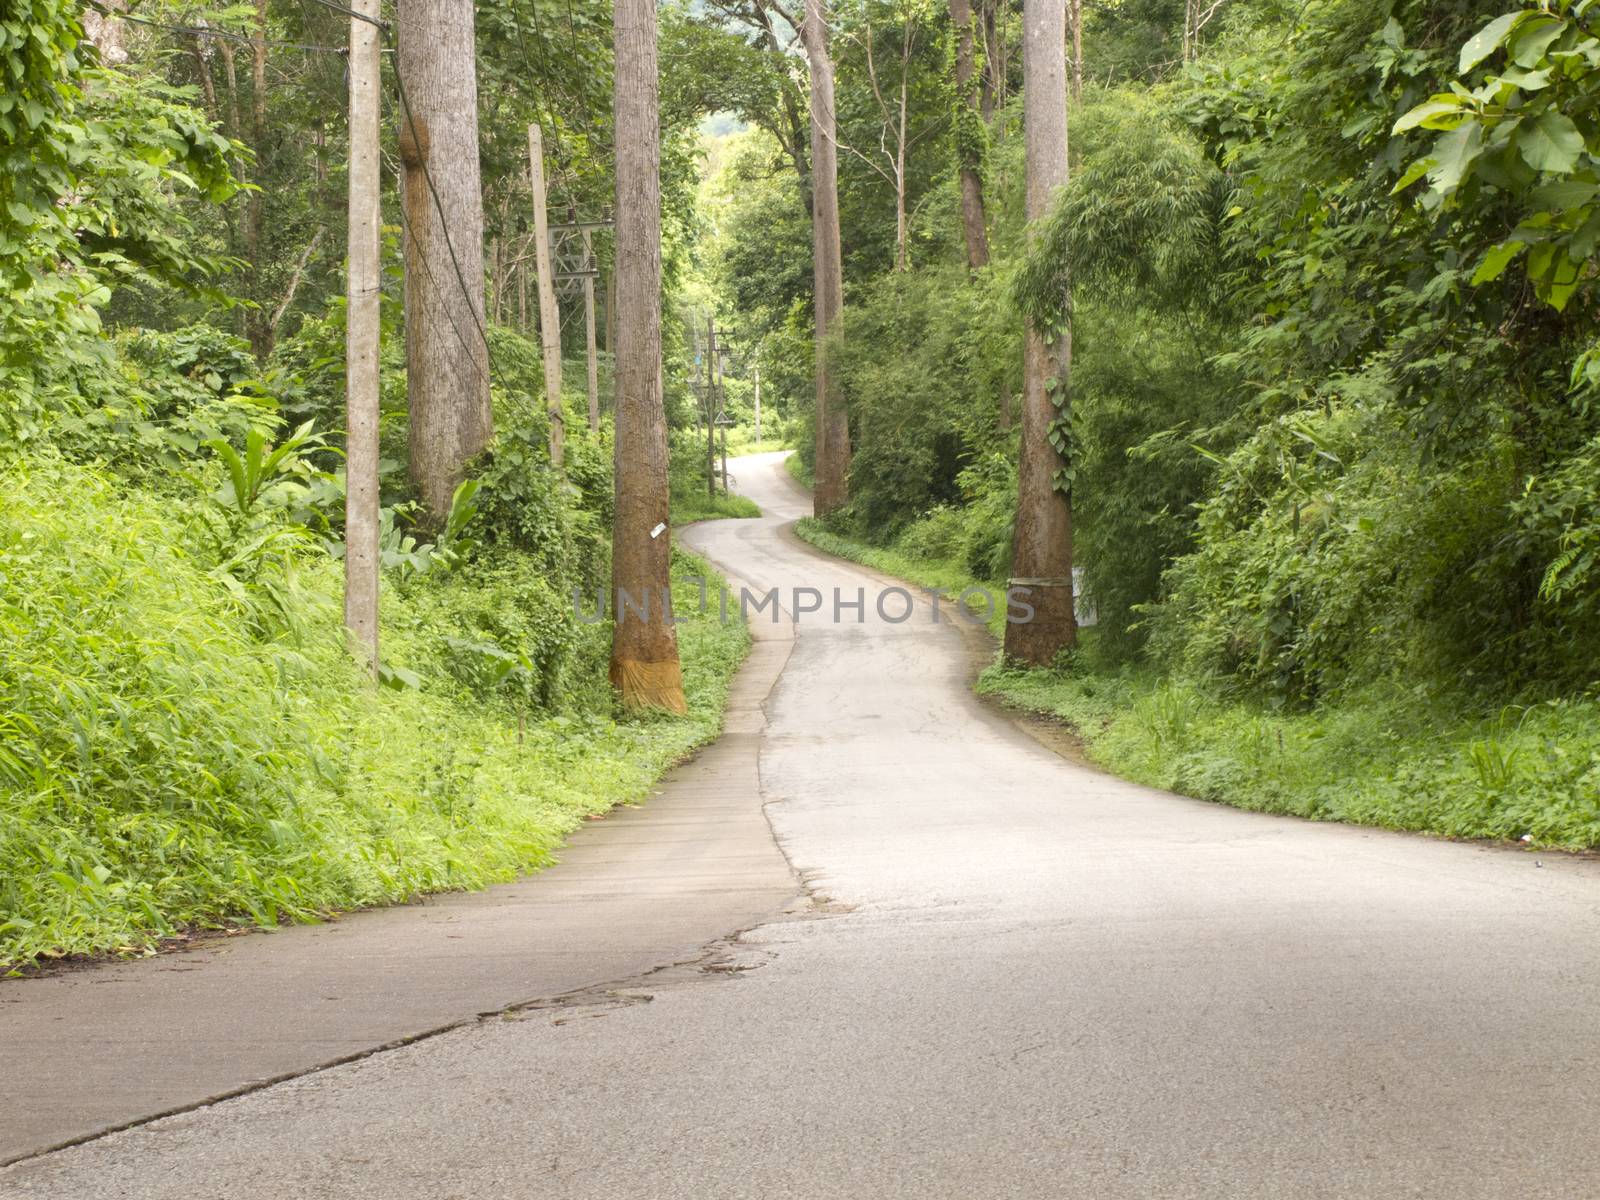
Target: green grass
[(741, 441), (1387, 757), (695, 505), (799, 472), (164, 765)]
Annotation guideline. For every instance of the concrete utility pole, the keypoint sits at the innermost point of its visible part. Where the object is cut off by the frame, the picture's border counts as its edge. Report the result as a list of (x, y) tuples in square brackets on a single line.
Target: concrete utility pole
[(549, 314), (361, 340), (722, 416), (588, 333), (711, 407), (758, 400)]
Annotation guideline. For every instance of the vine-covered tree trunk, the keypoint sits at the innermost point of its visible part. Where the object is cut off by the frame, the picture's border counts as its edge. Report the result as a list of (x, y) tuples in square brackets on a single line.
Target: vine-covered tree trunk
[(447, 358), (992, 96), (833, 430), (969, 132), (644, 645), (1042, 549)]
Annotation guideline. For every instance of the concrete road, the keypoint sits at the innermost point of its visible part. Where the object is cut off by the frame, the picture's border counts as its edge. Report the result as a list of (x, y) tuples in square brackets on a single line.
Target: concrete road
[(1015, 978)]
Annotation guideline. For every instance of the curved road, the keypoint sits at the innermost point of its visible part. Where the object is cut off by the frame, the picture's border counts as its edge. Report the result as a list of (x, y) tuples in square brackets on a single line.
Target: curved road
[(1014, 977)]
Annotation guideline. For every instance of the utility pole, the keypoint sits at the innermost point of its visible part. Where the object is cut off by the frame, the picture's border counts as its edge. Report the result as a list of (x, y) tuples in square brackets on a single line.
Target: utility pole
[(711, 408), (758, 400), (721, 421), (588, 333), (361, 340), (549, 314)]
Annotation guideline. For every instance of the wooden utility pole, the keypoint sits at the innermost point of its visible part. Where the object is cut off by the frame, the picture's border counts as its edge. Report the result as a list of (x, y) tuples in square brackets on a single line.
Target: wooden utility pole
[(1041, 557), (549, 314), (361, 340), (588, 333)]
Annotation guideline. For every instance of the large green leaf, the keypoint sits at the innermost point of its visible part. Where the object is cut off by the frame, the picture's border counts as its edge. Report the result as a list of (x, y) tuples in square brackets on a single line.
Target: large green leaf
[(1454, 153), (1430, 112), (1550, 142), (1496, 261), (1487, 40)]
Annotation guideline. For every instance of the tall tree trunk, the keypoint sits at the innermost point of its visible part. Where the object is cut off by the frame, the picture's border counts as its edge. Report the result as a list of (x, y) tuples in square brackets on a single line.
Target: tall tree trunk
[(104, 29), (260, 332), (447, 358), (611, 308), (1075, 24), (644, 644), (202, 65), (902, 228), (994, 60), (1042, 550), (833, 430), (969, 135)]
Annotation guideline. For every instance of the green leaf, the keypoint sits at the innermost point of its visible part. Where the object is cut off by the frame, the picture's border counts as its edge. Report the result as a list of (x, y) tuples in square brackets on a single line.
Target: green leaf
[(1413, 173), (1455, 152), (1487, 40), (1565, 193), (1437, 106), (1550, 142), (1528, 81), (1496, 261), (1533, 39)]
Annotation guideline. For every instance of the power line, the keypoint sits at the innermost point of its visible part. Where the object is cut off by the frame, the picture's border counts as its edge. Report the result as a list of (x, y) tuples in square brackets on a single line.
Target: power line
[(427, 271), (211, 31), (433, 282)]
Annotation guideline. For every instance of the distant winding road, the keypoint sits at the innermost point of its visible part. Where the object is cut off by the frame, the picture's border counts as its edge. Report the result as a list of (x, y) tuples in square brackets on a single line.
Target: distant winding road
[(1007, 976)]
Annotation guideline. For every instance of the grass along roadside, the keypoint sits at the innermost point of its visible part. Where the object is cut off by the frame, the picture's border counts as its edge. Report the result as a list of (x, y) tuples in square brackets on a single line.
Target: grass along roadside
[(164, 766), (693, 504), (1391, 757)]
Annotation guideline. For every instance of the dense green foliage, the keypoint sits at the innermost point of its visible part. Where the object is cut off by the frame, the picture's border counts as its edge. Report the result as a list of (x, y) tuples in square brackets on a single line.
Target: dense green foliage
[(165, 763), (184, 738), (1333, 409)]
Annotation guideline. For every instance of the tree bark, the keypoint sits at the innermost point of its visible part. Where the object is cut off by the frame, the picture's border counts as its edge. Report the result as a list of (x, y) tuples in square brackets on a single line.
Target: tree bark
[(1042, 549), (447, 356), (994, 61), (611, 310), (969, 130), (202, 64), (644, 645), (1075, 17), (833, 430), (260, 333), (901, 223), (104, 31)]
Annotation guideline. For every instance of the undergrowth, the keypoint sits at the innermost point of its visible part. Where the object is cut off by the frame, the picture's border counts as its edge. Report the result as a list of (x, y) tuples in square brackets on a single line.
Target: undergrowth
[(165, 764)]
